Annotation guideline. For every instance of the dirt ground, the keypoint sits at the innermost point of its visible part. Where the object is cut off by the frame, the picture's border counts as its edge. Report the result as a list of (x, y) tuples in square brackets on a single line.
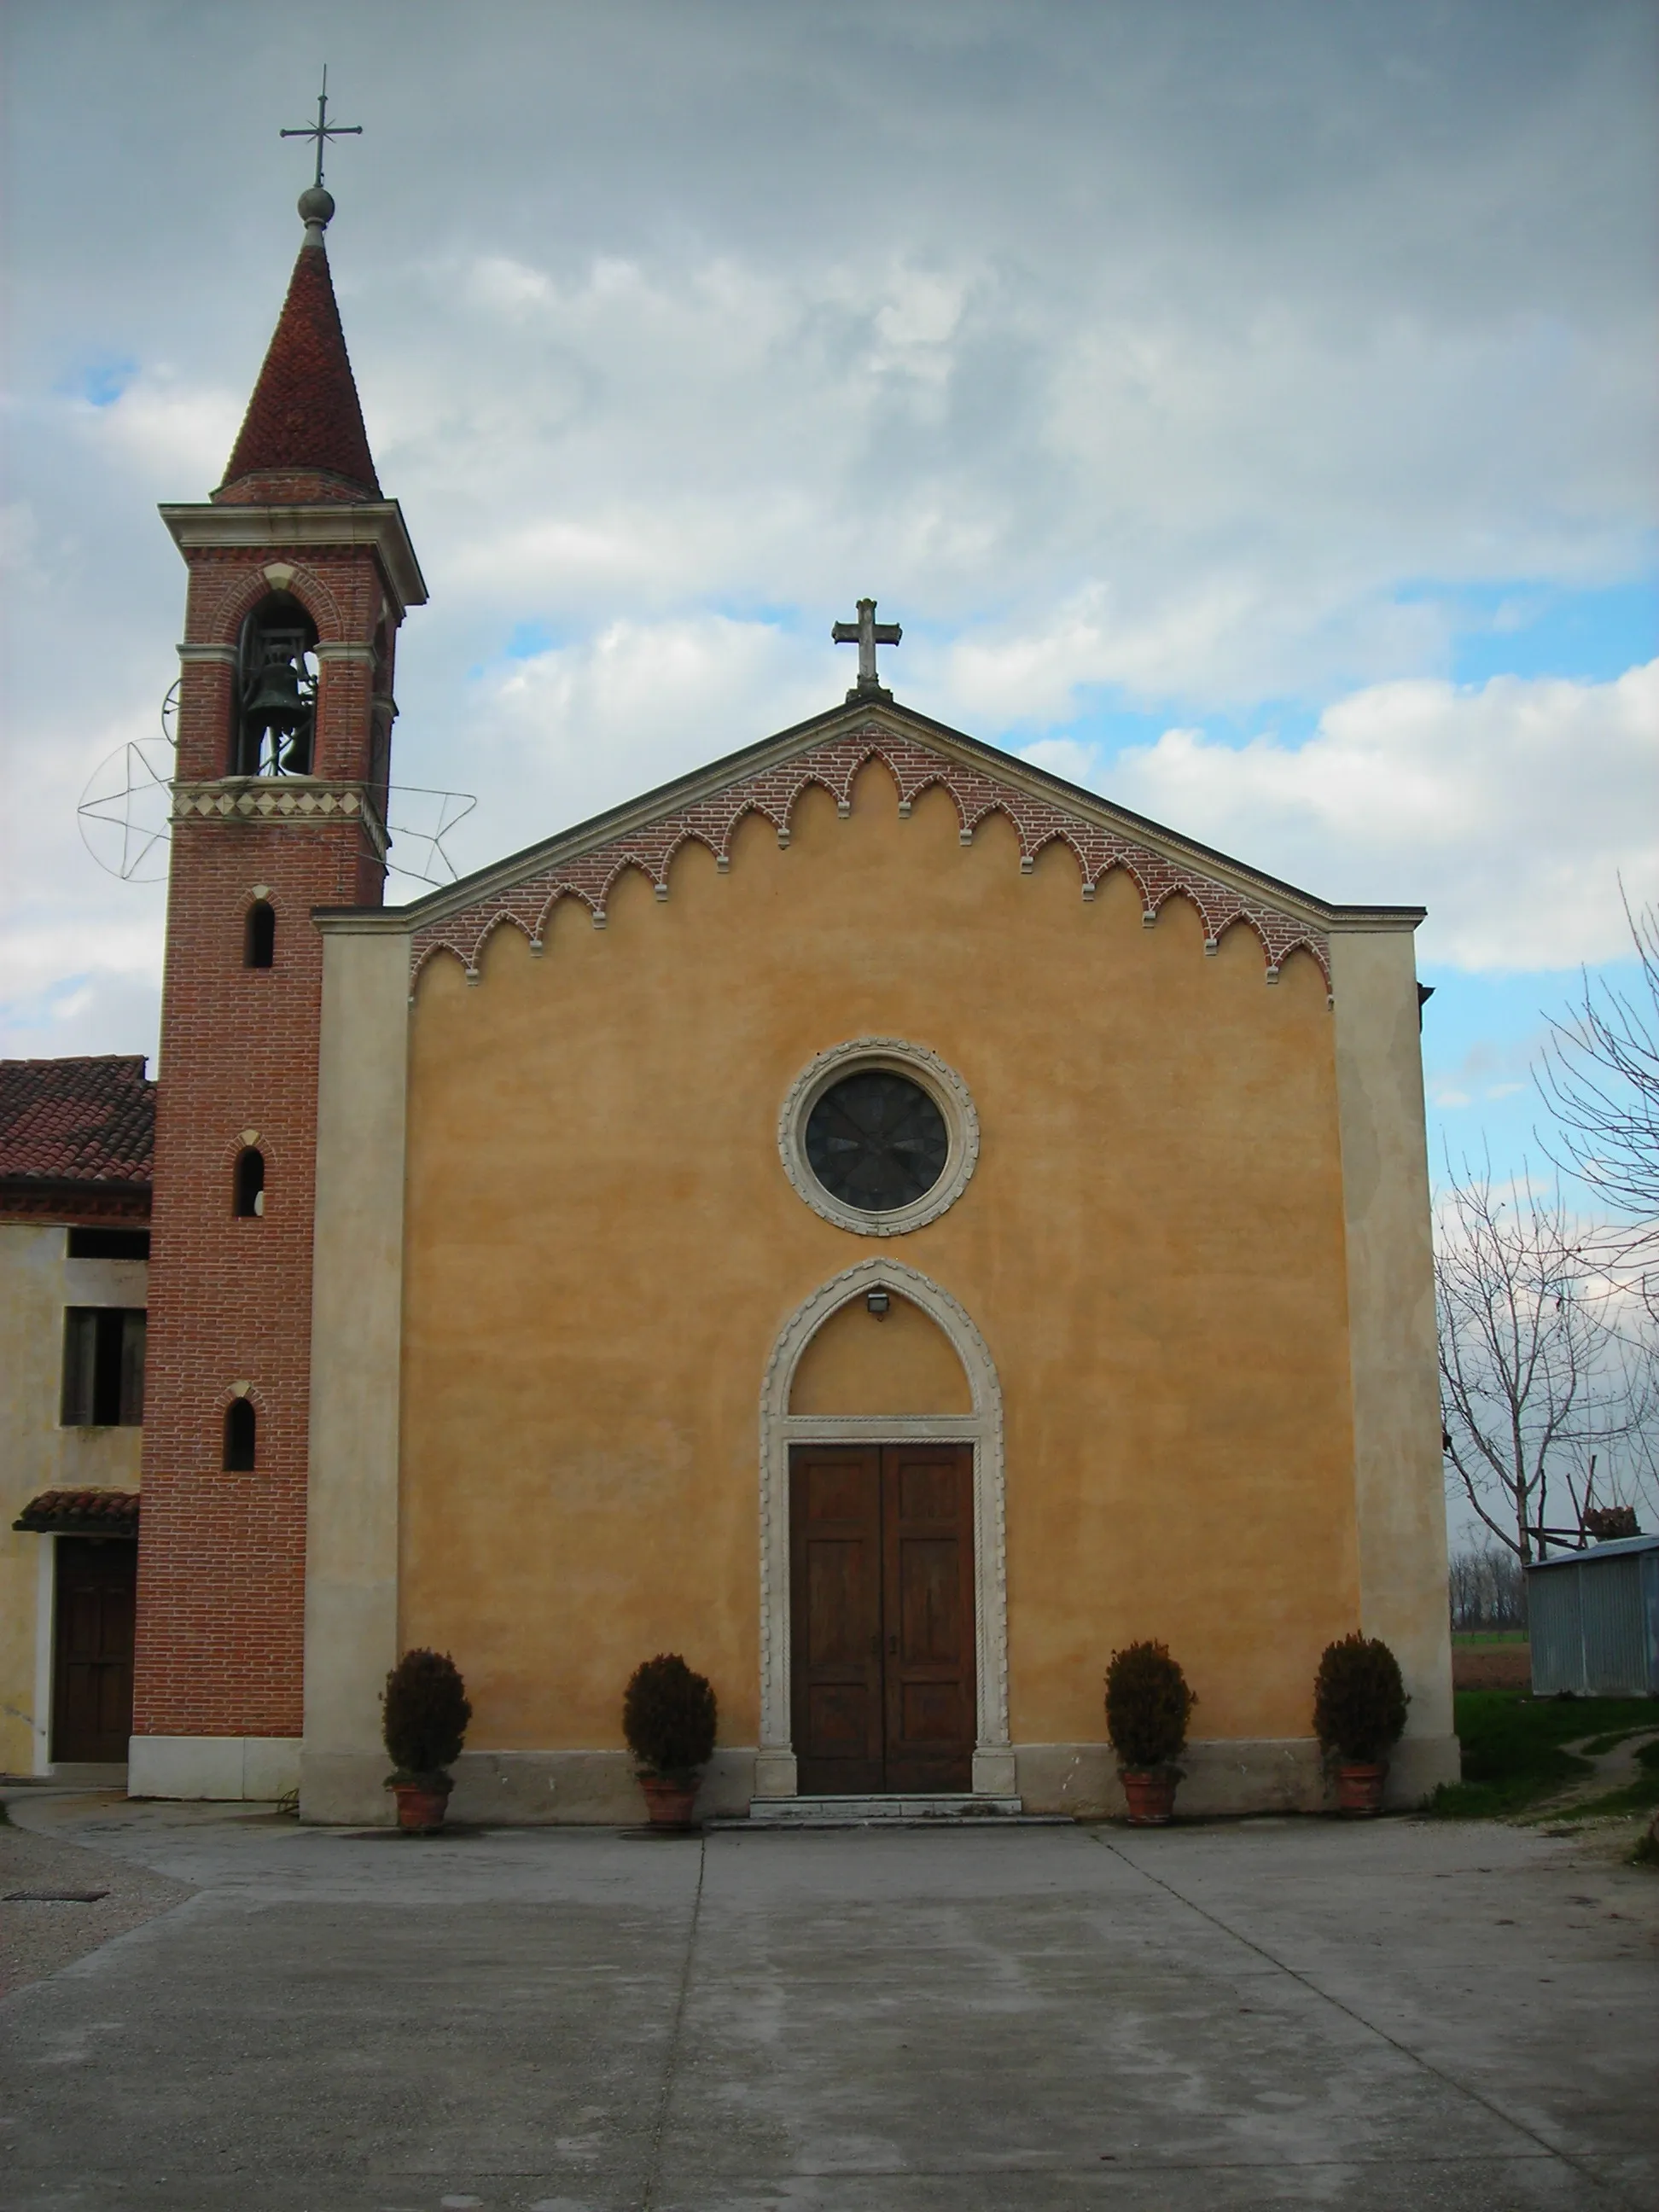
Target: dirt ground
[(1492, 1667)]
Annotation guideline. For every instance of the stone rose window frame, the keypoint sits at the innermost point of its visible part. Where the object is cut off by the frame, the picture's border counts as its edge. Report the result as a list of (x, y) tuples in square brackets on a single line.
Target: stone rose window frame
[(922, 1067)]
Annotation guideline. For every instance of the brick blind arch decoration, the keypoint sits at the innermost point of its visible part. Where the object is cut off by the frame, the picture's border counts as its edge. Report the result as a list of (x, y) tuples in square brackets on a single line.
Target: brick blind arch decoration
[(833, 767)]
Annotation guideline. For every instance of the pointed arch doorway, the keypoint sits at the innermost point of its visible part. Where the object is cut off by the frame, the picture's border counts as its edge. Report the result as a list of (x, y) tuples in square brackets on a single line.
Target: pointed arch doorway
[(884, 1601)]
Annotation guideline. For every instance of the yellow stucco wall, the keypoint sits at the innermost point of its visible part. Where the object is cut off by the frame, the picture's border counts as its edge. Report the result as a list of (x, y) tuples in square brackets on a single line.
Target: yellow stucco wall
[(900, 1363), (38, 1281), (602, 1247)]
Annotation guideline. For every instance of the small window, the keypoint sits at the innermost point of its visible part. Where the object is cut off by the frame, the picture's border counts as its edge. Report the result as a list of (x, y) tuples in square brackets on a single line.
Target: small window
[(250, 1184), (109, 1244), (240, 1427), (260, 936), (103, 1367)]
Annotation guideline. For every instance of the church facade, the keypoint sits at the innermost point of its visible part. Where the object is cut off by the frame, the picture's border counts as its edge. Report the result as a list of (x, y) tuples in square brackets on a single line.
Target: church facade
[(870, 1217)]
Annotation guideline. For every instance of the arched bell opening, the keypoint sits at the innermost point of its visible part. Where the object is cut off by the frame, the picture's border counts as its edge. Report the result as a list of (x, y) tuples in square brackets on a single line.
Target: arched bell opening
[(275, 706)]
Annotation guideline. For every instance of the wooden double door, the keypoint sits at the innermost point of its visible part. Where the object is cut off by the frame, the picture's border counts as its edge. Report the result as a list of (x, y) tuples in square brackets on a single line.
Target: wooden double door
[(92, 1684), (882, 1690)]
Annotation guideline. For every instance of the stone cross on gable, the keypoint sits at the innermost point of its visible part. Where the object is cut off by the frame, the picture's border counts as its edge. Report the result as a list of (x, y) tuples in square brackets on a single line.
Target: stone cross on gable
[(866, 633)]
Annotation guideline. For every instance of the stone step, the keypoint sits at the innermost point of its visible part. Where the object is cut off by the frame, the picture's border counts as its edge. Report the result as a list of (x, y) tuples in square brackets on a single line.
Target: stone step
[(896, 1811)]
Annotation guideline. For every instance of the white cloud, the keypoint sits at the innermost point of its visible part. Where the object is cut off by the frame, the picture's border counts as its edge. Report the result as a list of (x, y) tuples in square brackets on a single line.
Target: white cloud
[(510, 288), (92, 1014), (1066, 756), (567, 733), (18, 535), (80, 951), (1215, 639), (1109, 348), (165, 430), (1511, 810)]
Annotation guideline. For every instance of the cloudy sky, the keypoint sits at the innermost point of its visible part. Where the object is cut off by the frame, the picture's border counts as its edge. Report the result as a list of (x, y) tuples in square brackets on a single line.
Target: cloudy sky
[(1246, 409)]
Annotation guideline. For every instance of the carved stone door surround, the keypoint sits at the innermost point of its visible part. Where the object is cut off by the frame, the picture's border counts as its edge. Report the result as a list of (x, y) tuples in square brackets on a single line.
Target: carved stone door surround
[(993, 1758)]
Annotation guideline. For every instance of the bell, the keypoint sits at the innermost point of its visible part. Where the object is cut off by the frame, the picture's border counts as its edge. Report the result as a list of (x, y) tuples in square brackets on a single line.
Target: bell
[(276, 703)]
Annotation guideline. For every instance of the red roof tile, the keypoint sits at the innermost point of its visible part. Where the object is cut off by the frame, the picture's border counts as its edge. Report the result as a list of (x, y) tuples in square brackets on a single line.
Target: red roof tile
[(76, 1121), (303, 415), (75, 1512)]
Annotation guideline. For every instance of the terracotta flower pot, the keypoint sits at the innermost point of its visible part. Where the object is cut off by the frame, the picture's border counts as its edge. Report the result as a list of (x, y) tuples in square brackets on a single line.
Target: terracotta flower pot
[(1359, 1788), (420, 1810), (1151, 1796), (668, 1802)]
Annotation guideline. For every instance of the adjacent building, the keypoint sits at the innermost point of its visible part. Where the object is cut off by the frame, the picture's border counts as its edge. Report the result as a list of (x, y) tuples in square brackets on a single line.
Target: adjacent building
[(75, 1142)]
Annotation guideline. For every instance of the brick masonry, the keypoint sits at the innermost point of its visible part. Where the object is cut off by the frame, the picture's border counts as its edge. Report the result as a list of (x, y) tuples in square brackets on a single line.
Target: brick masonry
[(222, 1564), (832, 765)]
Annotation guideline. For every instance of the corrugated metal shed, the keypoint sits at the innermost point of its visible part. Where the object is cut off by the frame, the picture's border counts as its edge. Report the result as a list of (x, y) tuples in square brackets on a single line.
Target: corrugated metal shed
[(1594, 1620)]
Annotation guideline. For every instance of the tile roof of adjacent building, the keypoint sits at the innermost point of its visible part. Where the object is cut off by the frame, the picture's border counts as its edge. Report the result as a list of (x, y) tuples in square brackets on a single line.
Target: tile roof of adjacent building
[(304, 418), (78, 1512), (88, 1121)]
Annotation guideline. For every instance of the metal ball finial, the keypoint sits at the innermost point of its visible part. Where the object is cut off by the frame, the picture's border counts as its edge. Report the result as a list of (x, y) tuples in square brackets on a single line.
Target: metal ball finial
[(316, 208)]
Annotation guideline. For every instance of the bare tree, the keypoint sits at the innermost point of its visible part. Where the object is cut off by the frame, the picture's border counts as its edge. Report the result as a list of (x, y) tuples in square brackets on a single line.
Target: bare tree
[(1600, 1079), (1537, 1388), (1487, 1588)]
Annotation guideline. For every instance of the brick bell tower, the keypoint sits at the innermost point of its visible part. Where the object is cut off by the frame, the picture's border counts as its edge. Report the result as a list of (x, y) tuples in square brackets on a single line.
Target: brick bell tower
[(299, 575)]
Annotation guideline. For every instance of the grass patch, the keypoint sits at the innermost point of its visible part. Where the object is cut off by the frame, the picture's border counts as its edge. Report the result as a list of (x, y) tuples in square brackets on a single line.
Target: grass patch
[(1474, 1639), (1641, 1795), (1512, 1755)]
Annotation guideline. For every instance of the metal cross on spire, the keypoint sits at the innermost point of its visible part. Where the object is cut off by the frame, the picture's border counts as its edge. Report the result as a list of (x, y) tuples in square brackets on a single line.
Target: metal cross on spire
[(866, 633), (322, 130)]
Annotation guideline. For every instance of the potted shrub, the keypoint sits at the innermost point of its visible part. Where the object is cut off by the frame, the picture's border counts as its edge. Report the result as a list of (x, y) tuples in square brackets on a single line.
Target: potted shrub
[(668, 1723), (1147, 1702), (424, 1713), (1359, 1710)]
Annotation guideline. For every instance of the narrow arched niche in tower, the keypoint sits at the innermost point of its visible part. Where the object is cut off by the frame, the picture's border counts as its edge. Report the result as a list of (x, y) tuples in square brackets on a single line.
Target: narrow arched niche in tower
[(275, 713), (241, 1435), (259, 935), (250, 1184)]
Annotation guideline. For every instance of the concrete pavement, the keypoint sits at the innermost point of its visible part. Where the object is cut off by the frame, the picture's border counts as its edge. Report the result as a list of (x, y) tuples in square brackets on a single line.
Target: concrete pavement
[(1259, 2013)]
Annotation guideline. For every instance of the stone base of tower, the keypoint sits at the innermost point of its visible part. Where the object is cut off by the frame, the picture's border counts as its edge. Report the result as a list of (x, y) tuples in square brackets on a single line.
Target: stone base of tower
[(228, 1768)]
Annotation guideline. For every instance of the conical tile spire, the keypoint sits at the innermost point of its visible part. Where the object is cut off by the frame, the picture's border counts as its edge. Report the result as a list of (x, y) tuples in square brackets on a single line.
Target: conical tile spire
[(302, 437)]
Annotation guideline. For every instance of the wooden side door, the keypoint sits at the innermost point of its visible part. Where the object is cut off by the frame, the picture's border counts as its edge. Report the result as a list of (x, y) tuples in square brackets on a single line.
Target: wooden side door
[(835, 1689), (92, 1685), (928, 1557)]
